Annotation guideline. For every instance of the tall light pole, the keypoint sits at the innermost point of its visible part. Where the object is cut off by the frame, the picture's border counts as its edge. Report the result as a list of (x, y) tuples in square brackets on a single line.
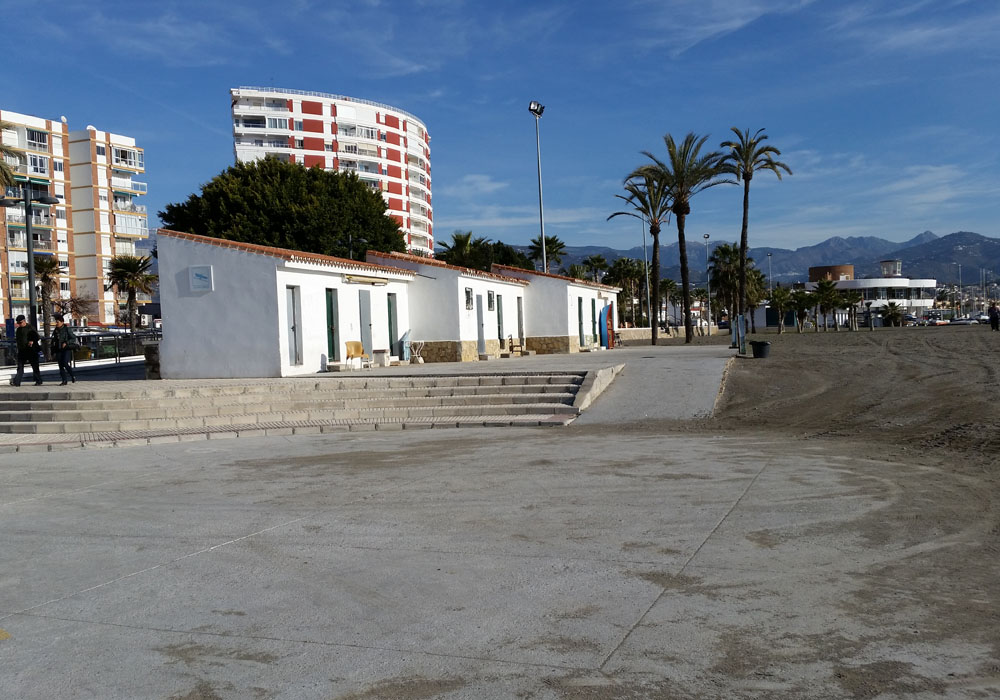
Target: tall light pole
[(645, 267), (708, 292), (537, 108), (769, 286), (27, 200)]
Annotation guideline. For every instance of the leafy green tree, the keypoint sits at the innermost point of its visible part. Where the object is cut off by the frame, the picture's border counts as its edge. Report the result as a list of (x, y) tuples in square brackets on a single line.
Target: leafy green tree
[(555, 249), (7, 154), (274, 203), (801, 302), (649, 200), (131, 274), (780, 301), (595, 264), (685, 173), (748, 154), (47, 279)]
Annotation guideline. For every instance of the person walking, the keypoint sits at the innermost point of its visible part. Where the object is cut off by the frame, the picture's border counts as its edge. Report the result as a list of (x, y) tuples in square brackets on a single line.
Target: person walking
[(63, 344), (994, 316), (28, 345)]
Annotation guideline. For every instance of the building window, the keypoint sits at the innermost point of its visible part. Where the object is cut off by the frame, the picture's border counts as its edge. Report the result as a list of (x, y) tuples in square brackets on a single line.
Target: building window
[(277, 123), (468, 298), (300, 143), (100, 150), (490, 301), (298, 125), (38, 165), (64, 286), (57, 165), (37, 140)]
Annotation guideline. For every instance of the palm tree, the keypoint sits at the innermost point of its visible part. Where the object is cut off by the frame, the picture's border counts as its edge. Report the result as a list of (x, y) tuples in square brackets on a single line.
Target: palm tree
[(466, 250), (47, 279), (595, 264), (724, 272), (7, 154), (748, 154), (576, 271), (554, 250), (892, 314), (668, 290), (852, 298), (131, 274), (756, 291), (780, 301), (801, 302), (650, 200), (828, 300), (686, 173), (627, 274)]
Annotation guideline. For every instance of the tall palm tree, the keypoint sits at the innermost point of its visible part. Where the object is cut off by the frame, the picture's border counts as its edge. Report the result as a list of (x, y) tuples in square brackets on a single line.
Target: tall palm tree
[(47, 279), (131, 274), (649, 199), (685, 173), (724, 273), (852, 301), (595, 264), (748, 154), (465, 250), (555, 249), (780, 301), (7, 154), (576, 271)]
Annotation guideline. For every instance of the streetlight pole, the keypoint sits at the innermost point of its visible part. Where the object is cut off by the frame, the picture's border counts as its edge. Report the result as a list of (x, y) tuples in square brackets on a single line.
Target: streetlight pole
[(645, 268), (27, 200), (708, 292), (769, 278), (537, 108)]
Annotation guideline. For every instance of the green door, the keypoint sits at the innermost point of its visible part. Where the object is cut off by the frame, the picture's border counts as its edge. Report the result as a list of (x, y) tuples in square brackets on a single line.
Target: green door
[(332, 331)]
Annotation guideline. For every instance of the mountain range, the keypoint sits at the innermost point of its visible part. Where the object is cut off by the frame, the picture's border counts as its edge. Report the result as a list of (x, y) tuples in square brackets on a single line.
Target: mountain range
[(926, 255)]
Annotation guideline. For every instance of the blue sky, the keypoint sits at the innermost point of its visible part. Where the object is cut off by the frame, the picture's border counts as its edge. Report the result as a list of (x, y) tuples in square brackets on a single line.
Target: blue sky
[(887, 112)]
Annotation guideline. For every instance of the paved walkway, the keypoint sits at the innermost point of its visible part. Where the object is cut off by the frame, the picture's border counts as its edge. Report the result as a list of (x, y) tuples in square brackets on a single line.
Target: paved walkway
[(662, 382)]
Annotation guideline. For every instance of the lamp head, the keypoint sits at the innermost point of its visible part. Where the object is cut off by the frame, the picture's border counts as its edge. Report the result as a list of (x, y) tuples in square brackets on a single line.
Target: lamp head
[(705, 236), (536, 108), (45, 199)]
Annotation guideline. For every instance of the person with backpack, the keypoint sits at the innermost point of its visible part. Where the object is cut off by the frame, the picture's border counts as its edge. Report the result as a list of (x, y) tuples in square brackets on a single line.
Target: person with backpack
[(28, 345), (63, 344)]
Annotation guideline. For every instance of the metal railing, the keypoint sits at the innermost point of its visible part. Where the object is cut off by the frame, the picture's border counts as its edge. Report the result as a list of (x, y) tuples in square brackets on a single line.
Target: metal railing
[(130, 207), (22, 242), (330, 96), (128, 184), (92, 347)]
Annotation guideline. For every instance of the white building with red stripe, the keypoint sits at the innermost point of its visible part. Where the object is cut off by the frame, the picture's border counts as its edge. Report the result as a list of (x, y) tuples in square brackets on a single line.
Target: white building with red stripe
[(386, 147)]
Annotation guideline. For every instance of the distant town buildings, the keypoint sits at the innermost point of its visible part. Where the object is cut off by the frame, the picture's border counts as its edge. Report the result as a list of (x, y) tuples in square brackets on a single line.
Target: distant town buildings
[(92, 174), (386, 147)]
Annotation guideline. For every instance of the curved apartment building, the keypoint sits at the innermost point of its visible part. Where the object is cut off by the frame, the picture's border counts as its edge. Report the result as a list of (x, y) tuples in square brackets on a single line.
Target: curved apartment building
[(386, 147)]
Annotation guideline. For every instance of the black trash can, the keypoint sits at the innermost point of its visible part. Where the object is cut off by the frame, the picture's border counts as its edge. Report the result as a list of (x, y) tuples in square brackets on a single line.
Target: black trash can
[(760, 348)]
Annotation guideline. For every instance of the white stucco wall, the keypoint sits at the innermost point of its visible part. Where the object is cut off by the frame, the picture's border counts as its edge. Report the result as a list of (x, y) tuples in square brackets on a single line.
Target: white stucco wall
[(230, 331), (554, 305)]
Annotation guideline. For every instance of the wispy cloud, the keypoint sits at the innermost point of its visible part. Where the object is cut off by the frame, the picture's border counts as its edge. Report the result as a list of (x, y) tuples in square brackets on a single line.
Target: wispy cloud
[(469, 186)]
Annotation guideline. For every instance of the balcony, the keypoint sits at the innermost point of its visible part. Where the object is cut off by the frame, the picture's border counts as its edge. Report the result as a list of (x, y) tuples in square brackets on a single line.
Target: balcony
[(21, 241), (130, 207), (125, 183), (127, 158), (139, 231), (17, 217), (125, 248)]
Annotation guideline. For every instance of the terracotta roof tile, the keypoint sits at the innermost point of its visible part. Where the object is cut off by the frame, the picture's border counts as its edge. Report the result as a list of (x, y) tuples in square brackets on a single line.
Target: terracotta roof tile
[(419, 259), (574, 280)]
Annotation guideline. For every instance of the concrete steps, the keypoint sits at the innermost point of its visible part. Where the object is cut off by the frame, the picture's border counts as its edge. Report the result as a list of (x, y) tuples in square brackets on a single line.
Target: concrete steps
[(445, 399)]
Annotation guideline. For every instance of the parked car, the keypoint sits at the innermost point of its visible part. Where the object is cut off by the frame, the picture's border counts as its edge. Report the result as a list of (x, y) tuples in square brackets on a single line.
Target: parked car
[(964, 321), (983, 318)]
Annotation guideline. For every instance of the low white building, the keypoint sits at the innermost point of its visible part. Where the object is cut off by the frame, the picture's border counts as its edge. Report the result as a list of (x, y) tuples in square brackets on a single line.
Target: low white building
[(567, 314), (460, 314), (234, 309), (914, 296)]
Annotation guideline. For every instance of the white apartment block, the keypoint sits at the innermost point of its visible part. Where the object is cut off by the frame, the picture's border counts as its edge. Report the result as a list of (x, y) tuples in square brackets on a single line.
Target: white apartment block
[(41, 164), (386, 147), (108, 219)]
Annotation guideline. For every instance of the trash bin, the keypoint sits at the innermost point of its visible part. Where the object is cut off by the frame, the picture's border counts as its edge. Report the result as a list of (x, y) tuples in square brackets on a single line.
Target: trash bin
[(760, 348)]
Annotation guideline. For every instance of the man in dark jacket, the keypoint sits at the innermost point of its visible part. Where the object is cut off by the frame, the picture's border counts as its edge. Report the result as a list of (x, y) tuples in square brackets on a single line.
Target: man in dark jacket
[(28, 345)]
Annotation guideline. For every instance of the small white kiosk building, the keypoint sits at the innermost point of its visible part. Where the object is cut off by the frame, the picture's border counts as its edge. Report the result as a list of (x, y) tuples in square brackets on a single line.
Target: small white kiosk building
[(567, 314), (460, 314), (240, 310)]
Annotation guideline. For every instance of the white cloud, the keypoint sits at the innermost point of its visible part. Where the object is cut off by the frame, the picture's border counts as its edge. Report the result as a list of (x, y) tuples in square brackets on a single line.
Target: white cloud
[(469, 186)]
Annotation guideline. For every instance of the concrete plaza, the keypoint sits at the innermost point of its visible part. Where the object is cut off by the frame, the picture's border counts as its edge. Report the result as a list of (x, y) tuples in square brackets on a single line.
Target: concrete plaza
[(605, 559)]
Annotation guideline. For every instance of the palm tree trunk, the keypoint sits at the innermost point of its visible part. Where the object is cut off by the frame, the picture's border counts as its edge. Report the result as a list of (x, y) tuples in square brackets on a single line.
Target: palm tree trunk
[(654, 233), (685, 279), (743, 244)]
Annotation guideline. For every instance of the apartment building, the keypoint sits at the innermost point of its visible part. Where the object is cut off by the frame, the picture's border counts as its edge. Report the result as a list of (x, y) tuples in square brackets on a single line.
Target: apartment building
[(40, 160), (105, 172), (388, 148)]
